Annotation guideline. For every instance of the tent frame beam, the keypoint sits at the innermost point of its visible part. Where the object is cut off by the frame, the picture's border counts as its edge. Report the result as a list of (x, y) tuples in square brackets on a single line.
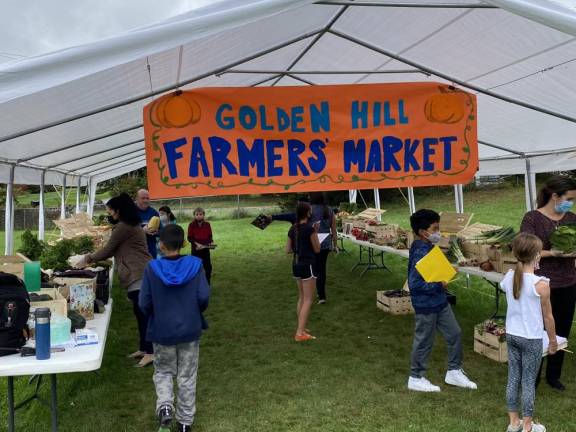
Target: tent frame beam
[(76, 159), (321, 72), (118, 167), (406, 5), (81, 143), (134, 160), (448, 77), (160, 91), (317, 37), (112, 158)]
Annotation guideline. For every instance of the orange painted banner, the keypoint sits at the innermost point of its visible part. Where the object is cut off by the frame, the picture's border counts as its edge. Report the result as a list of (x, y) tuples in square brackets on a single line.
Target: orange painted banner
[(224, 141)]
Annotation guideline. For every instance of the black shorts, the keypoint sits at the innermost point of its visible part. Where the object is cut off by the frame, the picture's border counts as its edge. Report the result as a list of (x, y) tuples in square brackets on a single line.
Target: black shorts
[(304, 271)]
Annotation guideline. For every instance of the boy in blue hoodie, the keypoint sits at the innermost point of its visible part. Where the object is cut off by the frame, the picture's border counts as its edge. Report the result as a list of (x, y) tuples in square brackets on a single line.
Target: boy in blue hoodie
[(174, 294), (432, 311)]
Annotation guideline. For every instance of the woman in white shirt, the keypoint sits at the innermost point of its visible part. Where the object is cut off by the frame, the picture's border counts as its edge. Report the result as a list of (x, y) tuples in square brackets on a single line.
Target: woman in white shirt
[(529, 312)]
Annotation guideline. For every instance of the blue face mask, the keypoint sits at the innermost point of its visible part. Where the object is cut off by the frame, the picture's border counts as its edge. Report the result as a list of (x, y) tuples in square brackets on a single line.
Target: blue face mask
[(563, 206)]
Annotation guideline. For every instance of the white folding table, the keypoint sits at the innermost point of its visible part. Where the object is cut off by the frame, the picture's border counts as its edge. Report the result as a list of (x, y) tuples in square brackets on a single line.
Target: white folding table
[(77, 359)]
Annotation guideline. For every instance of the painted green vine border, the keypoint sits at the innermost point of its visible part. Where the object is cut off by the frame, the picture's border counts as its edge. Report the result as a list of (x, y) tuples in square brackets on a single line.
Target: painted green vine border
[(340, 179)]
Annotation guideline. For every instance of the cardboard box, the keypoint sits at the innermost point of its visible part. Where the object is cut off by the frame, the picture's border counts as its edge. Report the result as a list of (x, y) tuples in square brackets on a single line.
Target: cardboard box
[(491, 346), (58, 305)]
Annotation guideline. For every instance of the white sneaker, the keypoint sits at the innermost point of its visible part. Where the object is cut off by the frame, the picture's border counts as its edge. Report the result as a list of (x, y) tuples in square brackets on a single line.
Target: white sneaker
[(421, 385), (459, 379), (536, 427)]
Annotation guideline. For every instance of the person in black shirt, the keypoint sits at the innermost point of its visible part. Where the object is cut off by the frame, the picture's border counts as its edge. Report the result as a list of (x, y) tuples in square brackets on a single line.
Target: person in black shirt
[(304, 244)]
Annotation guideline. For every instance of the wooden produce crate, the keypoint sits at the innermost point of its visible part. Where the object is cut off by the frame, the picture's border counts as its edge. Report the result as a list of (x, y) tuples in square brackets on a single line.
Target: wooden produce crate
[(395, 305), (475, 251), (81, 224), (371, 214), (490, 346), (453, 223), (58, 305), (475, 230), (383, 234), (66, 282), (502, 259)]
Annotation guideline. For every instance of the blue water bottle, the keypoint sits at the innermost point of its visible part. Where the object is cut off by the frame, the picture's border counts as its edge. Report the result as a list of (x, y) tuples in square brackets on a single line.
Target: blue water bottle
[(42, 330)]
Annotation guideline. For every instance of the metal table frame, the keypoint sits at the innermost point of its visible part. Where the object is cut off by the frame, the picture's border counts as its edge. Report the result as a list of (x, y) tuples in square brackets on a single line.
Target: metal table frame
[(53, 405)]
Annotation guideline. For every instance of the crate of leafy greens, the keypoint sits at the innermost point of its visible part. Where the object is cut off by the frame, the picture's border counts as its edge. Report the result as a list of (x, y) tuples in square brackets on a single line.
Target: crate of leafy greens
[(564, 238), (490, 340)]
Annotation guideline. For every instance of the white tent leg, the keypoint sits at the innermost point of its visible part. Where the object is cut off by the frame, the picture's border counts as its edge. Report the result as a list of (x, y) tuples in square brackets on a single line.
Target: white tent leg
[(9, 214), (78, 194), (411, 200), (91, 196), (41, 211), (63, 199), (377, 202), (459, 198), (530, 187), (352, 195)]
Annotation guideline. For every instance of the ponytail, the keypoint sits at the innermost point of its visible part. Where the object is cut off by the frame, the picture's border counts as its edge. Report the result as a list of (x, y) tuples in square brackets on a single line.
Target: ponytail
[(518, 277), (526, 248)]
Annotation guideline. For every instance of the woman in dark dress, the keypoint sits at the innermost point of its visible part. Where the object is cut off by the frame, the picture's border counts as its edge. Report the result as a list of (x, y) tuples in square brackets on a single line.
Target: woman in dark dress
[(555, 201)]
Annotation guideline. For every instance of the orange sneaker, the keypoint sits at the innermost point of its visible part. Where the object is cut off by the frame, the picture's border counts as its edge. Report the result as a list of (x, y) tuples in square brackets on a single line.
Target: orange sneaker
[(304, 337)]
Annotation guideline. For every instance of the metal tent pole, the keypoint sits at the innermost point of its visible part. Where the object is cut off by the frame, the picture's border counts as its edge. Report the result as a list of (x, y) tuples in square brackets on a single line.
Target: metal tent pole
[(457, 199), (91, 196), (461, 197), (377, 202), (411, 200), (63, 199), (352, 195), (41, 211), (9, 214), (78, 189), (530, 187)]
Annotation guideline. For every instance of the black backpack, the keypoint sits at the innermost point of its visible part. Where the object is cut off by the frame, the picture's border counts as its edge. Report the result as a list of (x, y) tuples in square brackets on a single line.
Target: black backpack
[(14, 311)]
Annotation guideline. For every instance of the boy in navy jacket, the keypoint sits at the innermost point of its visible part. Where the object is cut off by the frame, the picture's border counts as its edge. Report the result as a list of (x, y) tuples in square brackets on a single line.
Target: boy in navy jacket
[(174, 294), (432, 311)]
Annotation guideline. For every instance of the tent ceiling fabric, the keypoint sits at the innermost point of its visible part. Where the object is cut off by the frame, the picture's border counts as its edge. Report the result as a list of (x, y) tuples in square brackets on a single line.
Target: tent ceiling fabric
[(93, 95)]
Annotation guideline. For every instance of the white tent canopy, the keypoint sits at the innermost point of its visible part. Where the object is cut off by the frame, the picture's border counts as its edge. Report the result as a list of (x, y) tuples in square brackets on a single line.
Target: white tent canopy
[(79, 111)]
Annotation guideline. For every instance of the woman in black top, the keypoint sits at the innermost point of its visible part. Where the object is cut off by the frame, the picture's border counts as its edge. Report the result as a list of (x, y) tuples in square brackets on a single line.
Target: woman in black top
[(304, 244)]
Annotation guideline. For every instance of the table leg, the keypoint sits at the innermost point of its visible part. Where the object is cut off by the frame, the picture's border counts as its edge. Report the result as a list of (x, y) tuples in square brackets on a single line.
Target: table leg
[(497, 293), (54, 403), (10, 404)]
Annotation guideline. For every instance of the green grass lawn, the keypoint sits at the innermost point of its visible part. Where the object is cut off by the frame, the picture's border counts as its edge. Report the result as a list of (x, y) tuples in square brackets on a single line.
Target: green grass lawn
[(253, 377)]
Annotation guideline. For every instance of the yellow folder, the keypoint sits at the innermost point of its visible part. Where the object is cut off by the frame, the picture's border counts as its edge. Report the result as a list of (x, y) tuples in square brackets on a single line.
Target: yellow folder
[(435, 267)]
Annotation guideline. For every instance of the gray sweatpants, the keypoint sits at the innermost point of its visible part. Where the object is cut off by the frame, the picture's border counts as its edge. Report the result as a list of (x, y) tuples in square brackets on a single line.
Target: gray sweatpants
[(180, 362), (424, 334), (524, 358)]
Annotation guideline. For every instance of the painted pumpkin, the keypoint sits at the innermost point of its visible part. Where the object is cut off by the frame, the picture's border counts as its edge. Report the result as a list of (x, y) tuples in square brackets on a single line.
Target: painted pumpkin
[(176, 110), (446, 107)]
